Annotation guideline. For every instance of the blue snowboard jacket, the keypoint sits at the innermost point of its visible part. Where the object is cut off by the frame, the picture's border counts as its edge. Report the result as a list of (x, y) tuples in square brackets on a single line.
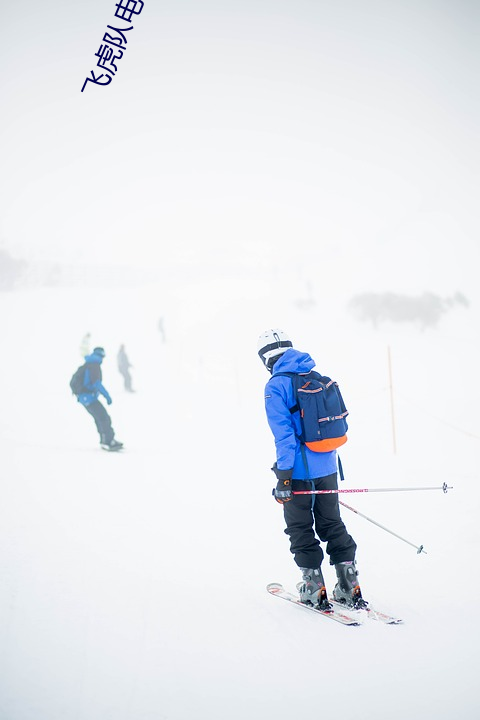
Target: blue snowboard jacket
[(286, 427), (93, 381)]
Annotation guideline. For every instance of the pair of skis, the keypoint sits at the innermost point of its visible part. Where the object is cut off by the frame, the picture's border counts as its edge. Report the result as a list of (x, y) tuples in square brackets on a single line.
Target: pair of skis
[(338, 613)]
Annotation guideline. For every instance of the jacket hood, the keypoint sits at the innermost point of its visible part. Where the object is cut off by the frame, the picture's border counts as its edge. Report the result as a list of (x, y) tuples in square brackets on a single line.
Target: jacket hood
[(93, 358), (293, 361)]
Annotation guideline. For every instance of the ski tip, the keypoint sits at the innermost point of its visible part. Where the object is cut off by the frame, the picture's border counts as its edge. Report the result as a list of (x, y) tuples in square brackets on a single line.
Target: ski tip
[(274, 587), (383, 617)]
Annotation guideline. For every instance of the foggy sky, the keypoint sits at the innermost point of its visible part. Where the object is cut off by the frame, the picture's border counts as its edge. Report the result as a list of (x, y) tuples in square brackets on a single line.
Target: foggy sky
[(243, 129)]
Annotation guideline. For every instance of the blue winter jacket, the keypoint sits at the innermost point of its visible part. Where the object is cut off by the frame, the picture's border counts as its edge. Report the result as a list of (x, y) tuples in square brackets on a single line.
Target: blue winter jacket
[(93, 381), (285, 426)]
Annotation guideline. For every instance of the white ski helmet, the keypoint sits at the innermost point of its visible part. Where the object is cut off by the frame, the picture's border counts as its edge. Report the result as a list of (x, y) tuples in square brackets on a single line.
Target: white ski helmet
[(271, 344)]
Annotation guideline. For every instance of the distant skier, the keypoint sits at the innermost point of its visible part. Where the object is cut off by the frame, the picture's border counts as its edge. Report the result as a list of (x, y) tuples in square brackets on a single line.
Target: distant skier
[(124, 366), (300, 468), (85, 345), (161, 329), (87, 385)]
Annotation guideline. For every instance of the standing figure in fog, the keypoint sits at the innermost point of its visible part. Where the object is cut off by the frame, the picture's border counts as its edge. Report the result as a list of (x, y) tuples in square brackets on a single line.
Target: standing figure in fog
[(161, 329), (310, 466), (85, 345), (124, 366), (87, 385)]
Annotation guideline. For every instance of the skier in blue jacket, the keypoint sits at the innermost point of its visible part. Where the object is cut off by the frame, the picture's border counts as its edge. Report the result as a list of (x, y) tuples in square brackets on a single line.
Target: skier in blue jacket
[(309, 518), (93, 387)]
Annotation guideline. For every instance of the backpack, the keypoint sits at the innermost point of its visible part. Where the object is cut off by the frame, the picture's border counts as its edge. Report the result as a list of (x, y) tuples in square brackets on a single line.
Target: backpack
[(78, 378), (322, 411)]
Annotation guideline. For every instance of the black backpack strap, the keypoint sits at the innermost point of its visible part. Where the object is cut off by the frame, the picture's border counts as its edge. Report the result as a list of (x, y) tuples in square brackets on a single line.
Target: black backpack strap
[(304, 458)]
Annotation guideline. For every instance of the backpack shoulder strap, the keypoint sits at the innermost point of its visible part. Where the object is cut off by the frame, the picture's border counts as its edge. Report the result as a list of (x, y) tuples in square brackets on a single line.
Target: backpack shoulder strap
[(86, 376)]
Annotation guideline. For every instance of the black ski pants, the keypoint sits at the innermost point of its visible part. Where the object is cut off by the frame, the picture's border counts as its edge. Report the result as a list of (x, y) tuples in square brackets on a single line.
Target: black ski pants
[(102, 421), (310, 517)]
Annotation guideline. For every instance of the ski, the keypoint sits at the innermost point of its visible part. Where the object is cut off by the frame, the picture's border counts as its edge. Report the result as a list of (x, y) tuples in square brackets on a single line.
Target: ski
[(371, 613), (336, 613)]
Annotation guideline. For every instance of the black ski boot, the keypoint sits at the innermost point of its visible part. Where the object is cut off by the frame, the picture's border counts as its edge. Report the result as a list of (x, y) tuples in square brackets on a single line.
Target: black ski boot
[(312, 589), (347, 590), (112, 446)]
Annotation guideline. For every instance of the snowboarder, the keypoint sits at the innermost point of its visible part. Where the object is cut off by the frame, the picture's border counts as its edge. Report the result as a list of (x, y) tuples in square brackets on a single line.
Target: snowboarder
[(88, 397), (309, 518), (123, 364)]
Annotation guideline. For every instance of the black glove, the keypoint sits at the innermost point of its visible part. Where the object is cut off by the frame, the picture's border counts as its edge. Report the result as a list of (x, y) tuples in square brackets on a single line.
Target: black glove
[(282, 474), (283, 492)]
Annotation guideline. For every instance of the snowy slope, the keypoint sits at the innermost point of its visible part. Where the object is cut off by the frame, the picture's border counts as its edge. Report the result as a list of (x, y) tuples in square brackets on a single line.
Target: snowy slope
[(133, 585)]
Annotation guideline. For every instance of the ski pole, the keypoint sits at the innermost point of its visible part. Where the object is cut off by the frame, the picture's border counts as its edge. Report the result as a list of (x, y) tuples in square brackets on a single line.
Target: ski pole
[(419, 548), (443, 487)]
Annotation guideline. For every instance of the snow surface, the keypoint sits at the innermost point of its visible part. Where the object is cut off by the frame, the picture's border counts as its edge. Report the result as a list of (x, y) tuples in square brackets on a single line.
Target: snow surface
[(133, 584)]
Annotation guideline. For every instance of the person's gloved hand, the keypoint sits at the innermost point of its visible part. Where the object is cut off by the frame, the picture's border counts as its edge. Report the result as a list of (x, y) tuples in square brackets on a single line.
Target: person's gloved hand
[(283, 492), (108, 399)]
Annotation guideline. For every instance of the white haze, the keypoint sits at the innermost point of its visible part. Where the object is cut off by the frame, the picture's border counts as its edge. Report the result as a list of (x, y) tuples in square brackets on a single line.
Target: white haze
[(235, 131)]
